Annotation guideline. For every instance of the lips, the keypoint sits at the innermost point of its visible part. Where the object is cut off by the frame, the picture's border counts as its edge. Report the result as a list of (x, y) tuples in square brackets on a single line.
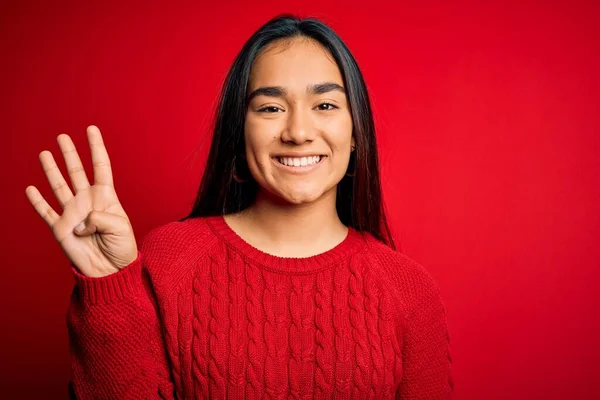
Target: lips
[(299, 161), (294, 164)]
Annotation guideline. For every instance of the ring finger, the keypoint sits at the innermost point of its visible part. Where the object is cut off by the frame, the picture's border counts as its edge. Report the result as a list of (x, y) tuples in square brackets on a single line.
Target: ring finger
[(59, 186)]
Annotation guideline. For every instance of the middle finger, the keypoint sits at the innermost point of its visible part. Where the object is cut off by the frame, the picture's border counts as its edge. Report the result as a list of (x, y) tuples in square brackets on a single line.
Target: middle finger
[(74, 166)]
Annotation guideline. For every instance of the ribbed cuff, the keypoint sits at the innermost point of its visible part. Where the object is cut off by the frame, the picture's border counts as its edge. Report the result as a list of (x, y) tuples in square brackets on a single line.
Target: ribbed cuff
[(119, 285)]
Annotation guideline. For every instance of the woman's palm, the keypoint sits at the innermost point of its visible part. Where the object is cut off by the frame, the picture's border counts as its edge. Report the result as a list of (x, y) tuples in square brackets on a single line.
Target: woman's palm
[(107, 243)]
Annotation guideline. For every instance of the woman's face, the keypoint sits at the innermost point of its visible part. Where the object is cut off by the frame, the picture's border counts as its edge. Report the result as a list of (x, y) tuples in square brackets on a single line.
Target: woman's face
[(298, 127)]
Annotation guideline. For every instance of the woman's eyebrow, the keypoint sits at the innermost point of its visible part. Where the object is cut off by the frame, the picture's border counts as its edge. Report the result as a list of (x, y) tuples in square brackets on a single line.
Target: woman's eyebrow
[(325, 87), (279, 91)]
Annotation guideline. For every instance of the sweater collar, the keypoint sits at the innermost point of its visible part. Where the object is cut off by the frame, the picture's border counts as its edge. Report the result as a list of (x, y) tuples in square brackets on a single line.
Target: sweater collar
[(353, 242)]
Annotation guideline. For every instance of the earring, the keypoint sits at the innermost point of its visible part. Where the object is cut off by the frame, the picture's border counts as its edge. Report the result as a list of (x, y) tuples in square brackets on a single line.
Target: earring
[(352, 153), (235, 176)]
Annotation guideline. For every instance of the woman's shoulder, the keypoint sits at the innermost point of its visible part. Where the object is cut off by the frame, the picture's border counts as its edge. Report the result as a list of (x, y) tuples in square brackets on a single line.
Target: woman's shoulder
[(407, 278), (177, 241), (177, 234)]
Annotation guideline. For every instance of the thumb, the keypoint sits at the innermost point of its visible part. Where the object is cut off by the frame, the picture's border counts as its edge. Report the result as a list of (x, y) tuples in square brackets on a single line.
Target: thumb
[(100, 222)]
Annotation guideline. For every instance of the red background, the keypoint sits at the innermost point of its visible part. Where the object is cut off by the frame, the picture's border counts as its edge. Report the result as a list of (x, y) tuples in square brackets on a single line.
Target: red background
[(487, 116)]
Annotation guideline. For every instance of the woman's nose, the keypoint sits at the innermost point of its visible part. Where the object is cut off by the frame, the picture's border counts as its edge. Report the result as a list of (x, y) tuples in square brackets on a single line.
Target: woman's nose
[(299, 127)]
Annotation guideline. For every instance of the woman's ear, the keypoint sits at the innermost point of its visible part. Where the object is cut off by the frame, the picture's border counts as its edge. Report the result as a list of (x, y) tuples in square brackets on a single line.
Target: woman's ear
[(353, 144)]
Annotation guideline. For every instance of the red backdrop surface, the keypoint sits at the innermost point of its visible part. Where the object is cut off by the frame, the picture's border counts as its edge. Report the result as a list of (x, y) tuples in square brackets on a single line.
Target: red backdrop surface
[(488, 121)]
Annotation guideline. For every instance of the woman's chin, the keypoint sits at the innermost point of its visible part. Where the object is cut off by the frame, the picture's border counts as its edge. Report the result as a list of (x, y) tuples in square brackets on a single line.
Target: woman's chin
[(296, 193), (303, 196), (301, 199)]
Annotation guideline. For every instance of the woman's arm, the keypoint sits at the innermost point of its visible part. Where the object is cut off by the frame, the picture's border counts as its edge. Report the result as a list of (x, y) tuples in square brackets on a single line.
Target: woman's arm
[(115, 337), (427, 365)]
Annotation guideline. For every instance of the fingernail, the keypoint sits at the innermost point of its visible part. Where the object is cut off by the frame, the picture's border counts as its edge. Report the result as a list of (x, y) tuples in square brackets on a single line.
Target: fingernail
[(80, 227)]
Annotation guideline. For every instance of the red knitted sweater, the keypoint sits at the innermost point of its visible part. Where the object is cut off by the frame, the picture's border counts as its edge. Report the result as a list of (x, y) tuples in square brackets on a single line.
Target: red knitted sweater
[(203, 314)]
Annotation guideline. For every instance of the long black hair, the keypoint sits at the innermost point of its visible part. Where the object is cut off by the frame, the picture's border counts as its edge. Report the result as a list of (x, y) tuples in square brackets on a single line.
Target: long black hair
[(359, 201)]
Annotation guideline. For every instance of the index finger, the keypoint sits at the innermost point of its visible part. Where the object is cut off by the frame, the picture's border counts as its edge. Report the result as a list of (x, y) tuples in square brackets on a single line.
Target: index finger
[(100, 160)]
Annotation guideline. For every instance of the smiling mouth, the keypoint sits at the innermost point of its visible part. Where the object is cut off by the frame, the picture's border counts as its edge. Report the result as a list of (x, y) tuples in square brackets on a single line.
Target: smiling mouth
[(300, 161)]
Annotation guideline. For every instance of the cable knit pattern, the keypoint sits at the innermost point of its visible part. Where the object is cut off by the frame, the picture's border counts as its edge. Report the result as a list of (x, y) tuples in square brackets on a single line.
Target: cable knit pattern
[(218, 329), (323, 337), (342, 334), (203, 314), (200, 339), (256, 347), (359, 332)]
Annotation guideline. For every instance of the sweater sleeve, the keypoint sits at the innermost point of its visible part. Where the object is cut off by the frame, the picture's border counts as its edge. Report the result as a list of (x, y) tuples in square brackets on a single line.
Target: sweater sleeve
[(426, 357), (115, 340)]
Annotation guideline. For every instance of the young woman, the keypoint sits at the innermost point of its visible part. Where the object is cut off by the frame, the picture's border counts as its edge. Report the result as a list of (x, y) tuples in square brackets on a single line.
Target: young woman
[(283, 280)]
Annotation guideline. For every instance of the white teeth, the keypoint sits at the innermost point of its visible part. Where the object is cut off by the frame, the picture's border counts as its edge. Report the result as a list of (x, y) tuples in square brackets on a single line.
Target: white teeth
[(299, 161)]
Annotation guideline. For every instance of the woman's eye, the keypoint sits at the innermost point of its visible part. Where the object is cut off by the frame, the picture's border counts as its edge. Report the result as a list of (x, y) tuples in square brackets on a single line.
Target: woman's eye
[(321, 107), (328, 106), (269, 109)]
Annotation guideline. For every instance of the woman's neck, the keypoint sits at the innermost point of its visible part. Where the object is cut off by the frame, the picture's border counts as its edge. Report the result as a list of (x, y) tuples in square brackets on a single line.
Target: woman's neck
[(289, 230)]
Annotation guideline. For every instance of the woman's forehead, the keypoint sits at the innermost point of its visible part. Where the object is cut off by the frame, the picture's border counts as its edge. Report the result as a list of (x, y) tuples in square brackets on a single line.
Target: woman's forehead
[(294, 64)]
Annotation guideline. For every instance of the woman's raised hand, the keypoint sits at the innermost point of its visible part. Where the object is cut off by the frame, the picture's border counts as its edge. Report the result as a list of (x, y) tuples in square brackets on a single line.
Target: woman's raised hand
[(106, 242)]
